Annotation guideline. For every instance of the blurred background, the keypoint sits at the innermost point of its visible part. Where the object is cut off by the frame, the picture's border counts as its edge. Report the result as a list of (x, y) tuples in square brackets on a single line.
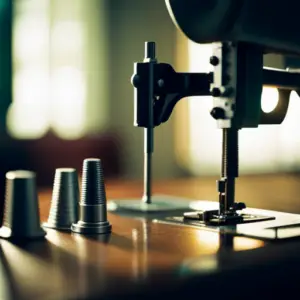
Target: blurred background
[(65, 70)]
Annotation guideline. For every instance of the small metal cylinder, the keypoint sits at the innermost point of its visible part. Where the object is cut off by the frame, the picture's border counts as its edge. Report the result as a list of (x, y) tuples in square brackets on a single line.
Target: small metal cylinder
[(230, 157), (93, 213), (92, 188), (230, 165), (65, 197), (92, 206), (21, 214), (150, 50)]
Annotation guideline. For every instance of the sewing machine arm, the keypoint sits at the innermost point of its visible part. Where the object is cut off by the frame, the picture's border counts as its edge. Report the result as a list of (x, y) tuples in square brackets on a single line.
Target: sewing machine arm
[(168, 87)]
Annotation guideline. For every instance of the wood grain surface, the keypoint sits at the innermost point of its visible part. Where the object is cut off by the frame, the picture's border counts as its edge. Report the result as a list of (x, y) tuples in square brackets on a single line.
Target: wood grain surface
[(139, 254)]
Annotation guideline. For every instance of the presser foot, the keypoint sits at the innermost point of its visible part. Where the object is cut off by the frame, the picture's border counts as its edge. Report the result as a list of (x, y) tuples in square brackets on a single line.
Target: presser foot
[(214, 218)]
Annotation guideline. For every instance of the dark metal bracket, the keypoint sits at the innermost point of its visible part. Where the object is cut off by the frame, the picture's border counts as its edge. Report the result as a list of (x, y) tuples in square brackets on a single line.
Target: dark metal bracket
[(169, 87)]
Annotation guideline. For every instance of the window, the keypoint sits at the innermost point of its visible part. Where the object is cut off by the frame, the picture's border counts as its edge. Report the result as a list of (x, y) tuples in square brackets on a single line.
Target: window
[(54, 47)]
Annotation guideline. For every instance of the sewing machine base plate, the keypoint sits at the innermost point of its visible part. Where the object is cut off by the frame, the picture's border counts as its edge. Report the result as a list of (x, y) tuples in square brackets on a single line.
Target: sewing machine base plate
[(160, 203), (281, 226), (240, 219), (214, 223), (258, 223)]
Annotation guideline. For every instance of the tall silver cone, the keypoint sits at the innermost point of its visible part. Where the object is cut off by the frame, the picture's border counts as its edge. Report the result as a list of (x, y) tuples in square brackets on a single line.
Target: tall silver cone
[(65, 197), (92, 206), (21, 214)]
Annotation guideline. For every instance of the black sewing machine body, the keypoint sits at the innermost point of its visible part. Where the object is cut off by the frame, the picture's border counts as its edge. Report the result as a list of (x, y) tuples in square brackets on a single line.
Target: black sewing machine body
[(272, 26), (240, 42)]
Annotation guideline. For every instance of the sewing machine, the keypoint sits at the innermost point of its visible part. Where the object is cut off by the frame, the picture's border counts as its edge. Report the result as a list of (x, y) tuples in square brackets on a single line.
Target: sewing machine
[(147, 254), (235, 85)]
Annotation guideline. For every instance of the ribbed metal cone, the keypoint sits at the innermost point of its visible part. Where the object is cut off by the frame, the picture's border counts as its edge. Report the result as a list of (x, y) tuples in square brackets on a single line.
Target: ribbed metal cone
[(65, 197), (21, 214), (93, 188), (92, 205)]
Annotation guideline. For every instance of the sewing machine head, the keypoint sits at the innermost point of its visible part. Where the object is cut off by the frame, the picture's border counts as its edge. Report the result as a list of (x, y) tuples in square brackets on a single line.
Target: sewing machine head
[(271, 26), (240, 40), (242, 37)]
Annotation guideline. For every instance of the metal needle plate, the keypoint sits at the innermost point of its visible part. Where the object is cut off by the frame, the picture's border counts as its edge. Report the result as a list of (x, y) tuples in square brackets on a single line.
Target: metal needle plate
[(262, 224)]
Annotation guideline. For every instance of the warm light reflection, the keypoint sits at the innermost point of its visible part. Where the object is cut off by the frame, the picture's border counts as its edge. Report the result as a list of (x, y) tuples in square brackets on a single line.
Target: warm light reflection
[(140, 243), (212, 242), (204, 205), (135, 255), (25, 267), (269, 99), (241, 244), (211, 263), (208, 241), (5, 291), (206, 264), (55, 238)]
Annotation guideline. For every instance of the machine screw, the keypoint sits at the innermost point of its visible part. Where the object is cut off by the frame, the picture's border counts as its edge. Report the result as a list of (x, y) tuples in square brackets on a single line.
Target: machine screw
[(214, 60), (218, 113), (161, 83), (135, 80), (215, 92)]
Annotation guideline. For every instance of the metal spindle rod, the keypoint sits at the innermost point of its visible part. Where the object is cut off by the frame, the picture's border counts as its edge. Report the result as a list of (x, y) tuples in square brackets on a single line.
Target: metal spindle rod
[(230, 165), (149, 131), (148, 149)]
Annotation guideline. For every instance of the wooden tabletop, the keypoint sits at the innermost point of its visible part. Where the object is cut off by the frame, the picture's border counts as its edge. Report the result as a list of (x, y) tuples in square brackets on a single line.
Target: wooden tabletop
[(139, 255)]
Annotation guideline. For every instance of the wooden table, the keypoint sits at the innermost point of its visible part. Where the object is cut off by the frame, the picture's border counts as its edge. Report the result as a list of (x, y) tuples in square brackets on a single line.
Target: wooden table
[(147, 259)]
